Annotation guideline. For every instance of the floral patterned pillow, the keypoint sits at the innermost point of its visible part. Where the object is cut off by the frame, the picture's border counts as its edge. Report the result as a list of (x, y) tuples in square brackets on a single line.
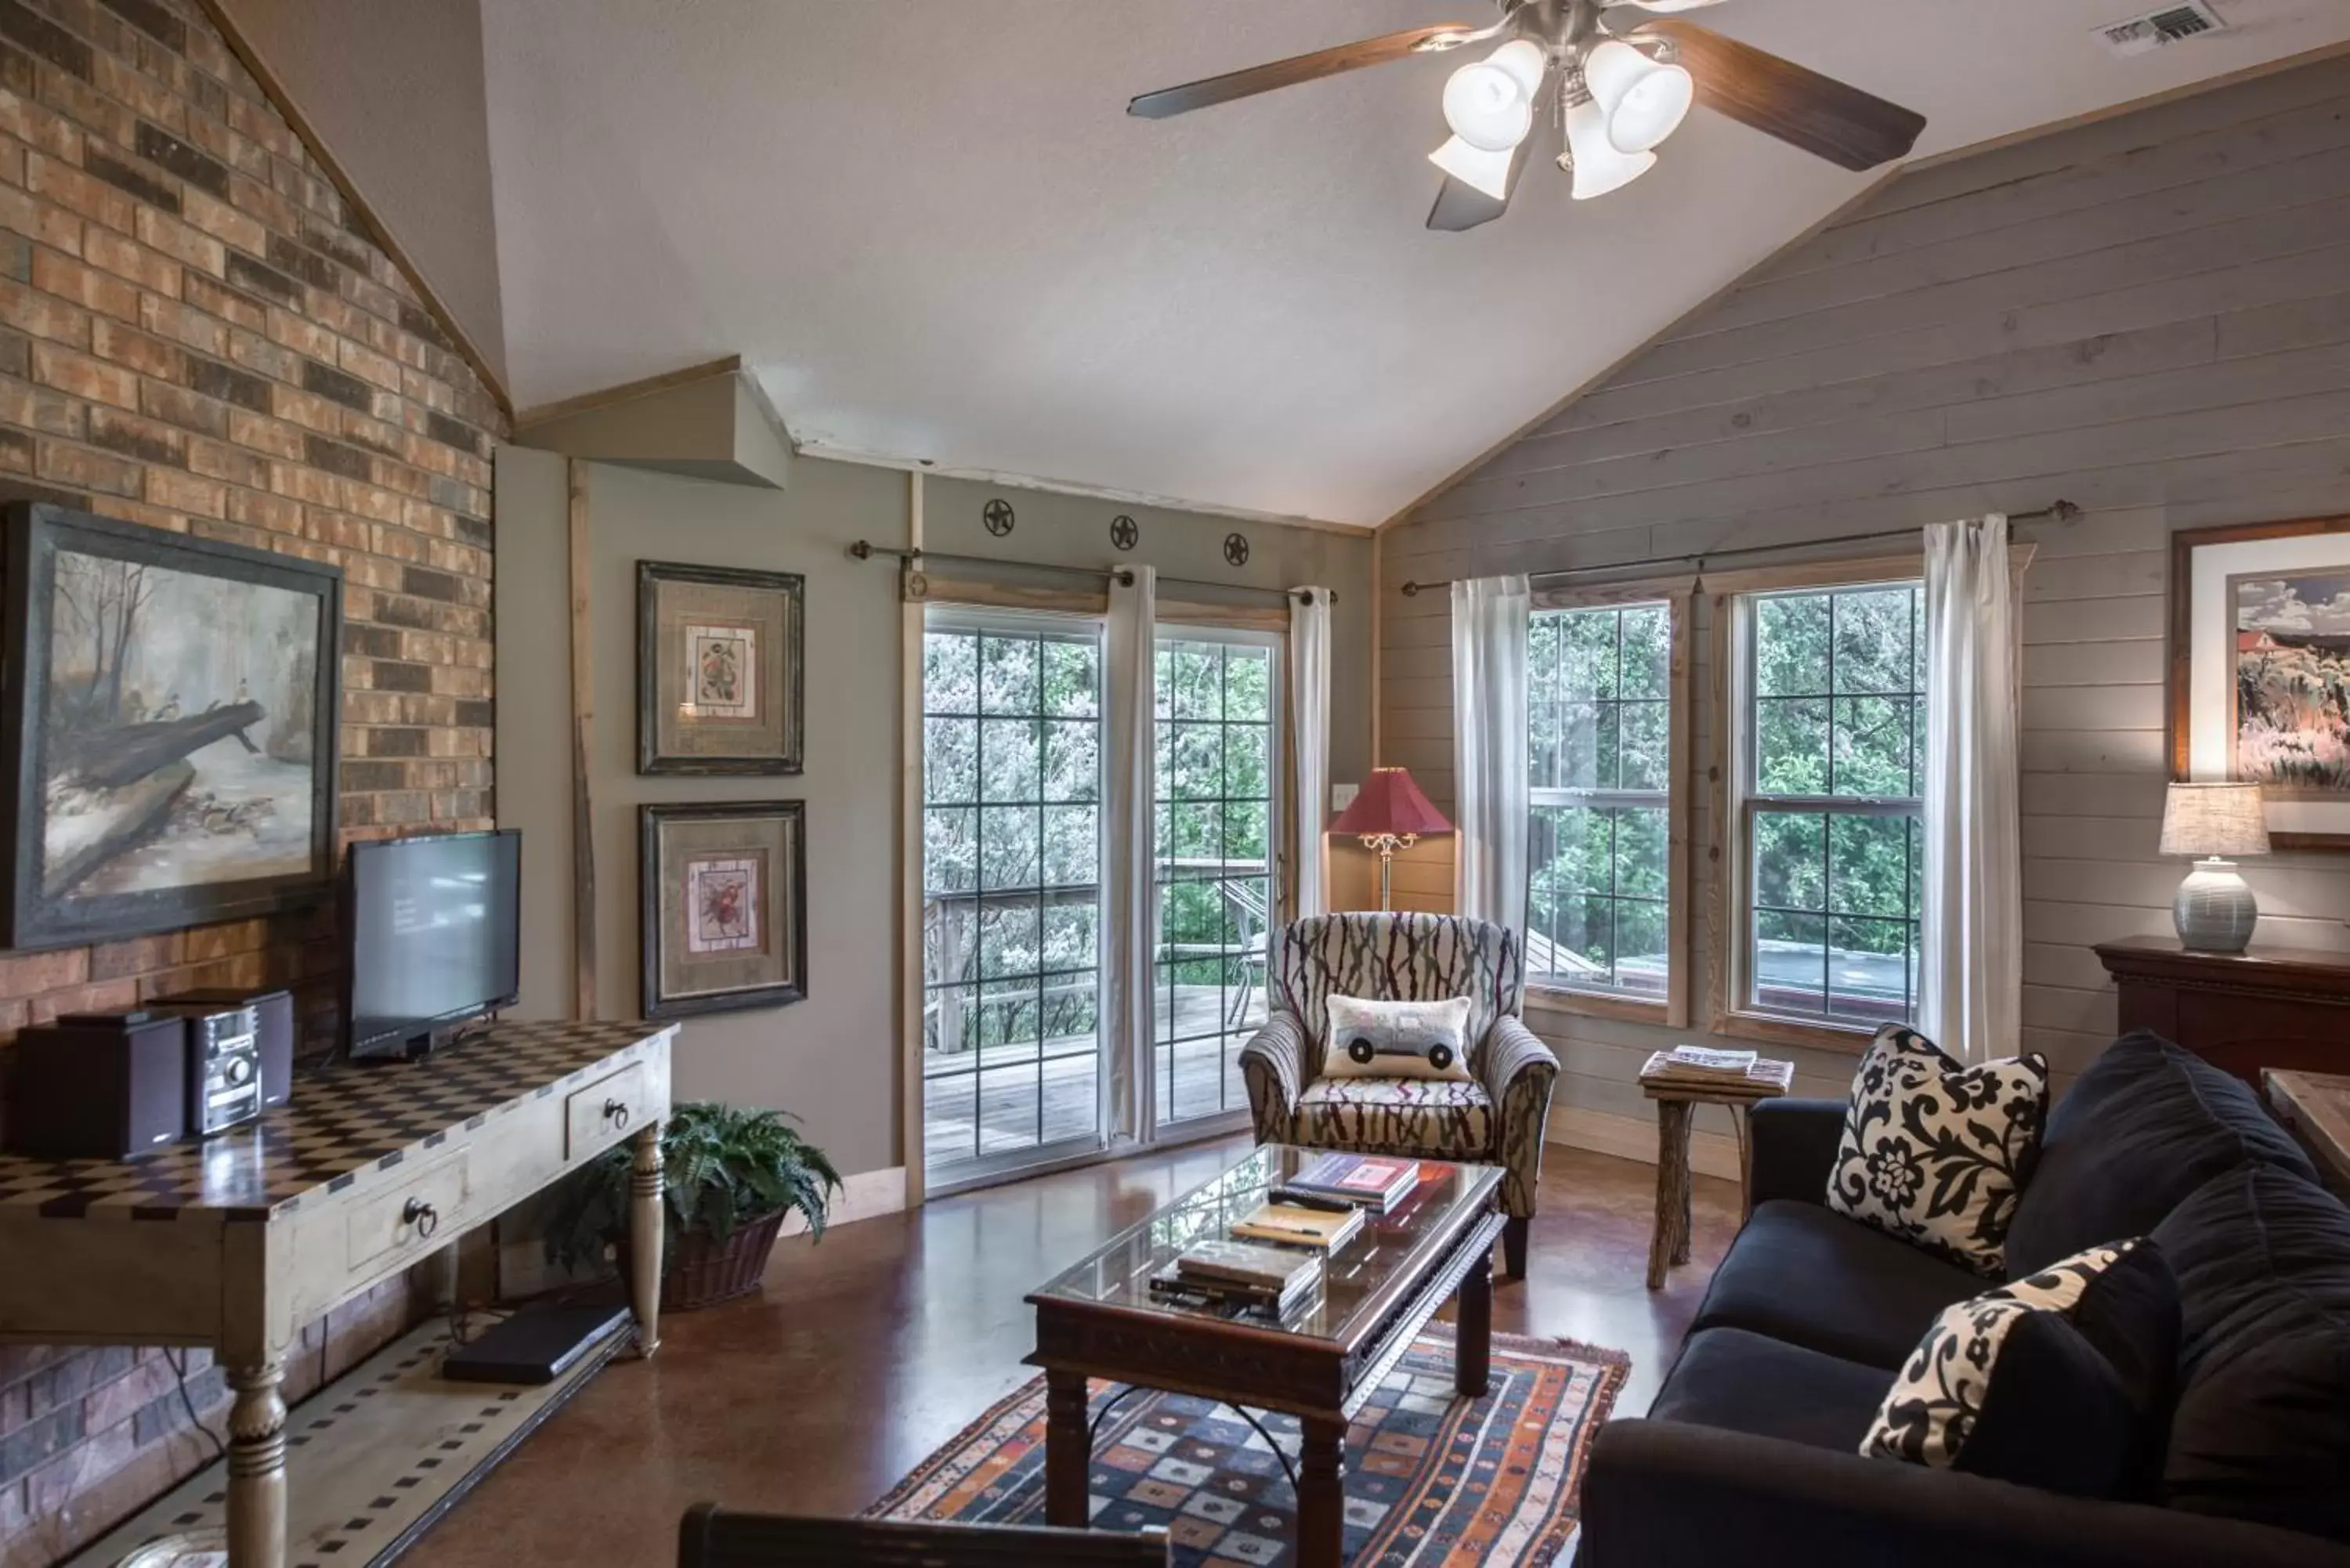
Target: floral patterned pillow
[(1936, 1153), (2061, 1379)]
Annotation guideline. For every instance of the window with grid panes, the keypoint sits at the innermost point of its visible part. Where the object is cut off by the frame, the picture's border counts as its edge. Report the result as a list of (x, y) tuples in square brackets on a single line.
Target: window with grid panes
[(1213, 864), (1599, 726), (1830, 814), (1011, 886)]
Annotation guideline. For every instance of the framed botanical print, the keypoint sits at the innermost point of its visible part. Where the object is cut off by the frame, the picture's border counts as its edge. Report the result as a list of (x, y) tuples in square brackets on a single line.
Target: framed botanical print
[(168, 723), (719, 680), (2260, 670), (725, 894)]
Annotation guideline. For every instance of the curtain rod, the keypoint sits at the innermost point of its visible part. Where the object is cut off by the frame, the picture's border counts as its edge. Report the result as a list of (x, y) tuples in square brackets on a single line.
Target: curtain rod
[(2062, 511), (1123, 575)]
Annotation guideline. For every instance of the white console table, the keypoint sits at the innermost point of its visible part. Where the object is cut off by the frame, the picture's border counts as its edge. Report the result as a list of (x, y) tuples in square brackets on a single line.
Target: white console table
[(236, 1241)]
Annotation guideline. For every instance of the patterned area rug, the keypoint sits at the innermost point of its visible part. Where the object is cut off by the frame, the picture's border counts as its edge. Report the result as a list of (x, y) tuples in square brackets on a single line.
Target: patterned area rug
[(1432, 1480)]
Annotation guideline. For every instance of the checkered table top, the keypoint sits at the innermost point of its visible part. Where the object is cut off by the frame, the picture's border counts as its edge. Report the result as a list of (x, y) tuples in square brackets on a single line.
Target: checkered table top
[(340, 1122)]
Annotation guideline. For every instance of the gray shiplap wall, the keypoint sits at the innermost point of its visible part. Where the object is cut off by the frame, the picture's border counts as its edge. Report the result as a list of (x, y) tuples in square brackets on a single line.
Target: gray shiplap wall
[(2148, 316)]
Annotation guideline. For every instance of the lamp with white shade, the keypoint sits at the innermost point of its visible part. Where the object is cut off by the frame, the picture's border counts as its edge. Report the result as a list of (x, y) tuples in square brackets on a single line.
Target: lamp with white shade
[(2214, 911)]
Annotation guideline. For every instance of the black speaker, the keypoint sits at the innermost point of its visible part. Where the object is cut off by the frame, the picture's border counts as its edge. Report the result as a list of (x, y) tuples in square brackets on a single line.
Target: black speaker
[(276, 1010), (99, 1088)]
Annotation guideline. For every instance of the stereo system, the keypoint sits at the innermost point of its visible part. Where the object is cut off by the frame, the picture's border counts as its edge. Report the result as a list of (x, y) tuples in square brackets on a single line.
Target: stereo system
[(112, 1085)]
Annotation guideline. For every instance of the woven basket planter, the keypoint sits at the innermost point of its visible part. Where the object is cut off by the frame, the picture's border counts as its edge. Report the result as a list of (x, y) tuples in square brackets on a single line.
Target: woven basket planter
[(700, 1272)]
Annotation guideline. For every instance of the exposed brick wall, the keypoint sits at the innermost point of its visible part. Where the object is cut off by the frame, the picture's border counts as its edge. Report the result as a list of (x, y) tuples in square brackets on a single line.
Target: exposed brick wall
[(194, 334)]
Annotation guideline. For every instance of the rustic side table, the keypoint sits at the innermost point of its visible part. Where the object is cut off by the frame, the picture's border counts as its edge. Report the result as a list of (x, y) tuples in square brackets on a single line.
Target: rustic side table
[(1677, 1101), (2317, 1107)]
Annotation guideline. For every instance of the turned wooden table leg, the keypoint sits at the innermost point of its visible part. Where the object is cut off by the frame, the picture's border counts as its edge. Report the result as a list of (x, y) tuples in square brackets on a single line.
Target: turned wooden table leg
[(645, 1233), (1473, 1339), (1322, 1492), (256, 1467), (1668, 1244), (1068, 1462)]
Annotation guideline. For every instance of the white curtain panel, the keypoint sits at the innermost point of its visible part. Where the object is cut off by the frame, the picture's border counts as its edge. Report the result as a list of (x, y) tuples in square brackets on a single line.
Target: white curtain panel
[(1971, 992), (1489, 747), (1129, 940), (1309, 741)]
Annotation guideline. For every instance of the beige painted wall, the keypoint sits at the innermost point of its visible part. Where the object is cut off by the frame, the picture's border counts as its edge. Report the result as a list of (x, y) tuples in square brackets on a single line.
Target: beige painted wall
[(833, 1058), (2148, 316), (398, 92)]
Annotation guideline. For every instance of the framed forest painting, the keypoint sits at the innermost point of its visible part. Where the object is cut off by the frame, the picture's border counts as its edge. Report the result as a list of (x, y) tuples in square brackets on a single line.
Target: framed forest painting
[(725, 894), (169, 718), (2260, 670), (719, 678)]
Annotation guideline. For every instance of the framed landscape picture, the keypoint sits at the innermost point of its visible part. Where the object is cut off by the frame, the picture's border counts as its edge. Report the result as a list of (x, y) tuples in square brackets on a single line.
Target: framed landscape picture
[(168, 719), (719, 679), (725, 890), (2260, 670)]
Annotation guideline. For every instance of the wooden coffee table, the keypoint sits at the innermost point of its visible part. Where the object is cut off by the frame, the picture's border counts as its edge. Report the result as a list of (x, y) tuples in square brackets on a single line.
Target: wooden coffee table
[(1099, 1320)]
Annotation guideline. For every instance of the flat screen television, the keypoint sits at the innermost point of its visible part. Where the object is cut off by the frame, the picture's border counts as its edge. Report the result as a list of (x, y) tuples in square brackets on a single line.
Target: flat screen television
[(431, 928)]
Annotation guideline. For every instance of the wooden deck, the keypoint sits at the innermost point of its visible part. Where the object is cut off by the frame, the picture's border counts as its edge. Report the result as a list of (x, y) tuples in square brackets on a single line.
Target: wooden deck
[(998, 1113)]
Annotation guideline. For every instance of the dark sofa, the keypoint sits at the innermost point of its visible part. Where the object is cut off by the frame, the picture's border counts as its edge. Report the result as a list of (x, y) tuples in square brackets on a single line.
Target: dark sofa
[(1751, 1453)]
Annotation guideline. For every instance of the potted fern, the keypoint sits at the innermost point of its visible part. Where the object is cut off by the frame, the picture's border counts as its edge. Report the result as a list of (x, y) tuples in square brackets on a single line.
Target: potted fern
[(732, 1174)]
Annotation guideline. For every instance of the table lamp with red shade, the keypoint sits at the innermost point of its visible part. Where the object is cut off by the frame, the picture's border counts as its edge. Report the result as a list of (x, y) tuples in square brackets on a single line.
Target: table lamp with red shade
[(1388, 814)]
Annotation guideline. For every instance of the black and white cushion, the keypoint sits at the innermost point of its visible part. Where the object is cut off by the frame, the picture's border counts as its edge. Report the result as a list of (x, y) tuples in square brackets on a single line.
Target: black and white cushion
[(2061, 1380), (1374, 1039), (1935, 1152)]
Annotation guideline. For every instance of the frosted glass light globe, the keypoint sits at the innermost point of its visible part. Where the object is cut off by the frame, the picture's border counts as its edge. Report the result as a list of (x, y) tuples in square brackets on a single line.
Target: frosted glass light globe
[(1487, 108), (1642, 102), (1598, 164)]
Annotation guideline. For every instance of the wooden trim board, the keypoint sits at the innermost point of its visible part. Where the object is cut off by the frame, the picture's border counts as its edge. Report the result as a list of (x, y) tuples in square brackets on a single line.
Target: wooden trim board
[(583, 729), (274, 87), (869, 1195), (627, 393), (910, 622)]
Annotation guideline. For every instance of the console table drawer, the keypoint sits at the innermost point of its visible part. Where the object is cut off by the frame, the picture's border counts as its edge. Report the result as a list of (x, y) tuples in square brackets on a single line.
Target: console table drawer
[(418, 1215), (613, 1106)]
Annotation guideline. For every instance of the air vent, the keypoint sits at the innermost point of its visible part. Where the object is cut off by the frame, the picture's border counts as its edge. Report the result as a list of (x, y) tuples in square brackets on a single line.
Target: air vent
[(2170, 25)]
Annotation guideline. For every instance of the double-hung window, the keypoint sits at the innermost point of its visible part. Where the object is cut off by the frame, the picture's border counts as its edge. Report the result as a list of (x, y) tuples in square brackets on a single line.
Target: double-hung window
[(1827, 875), (1603, 889)]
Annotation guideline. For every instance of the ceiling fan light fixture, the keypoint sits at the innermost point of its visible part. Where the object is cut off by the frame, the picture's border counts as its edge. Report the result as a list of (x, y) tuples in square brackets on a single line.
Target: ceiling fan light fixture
[(1598, 164), (1490, 104), (1476, 167), (1641, 100)]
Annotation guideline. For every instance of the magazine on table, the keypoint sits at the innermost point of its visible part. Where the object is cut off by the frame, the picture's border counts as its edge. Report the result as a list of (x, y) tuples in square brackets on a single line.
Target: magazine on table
[(1327, 1226), (1376, 1182)]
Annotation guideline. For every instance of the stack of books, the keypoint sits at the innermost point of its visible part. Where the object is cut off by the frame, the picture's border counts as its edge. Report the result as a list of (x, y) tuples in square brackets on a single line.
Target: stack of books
[(1701, 1069), (1272, 1280), (1359, 1181), (1303, 1223)]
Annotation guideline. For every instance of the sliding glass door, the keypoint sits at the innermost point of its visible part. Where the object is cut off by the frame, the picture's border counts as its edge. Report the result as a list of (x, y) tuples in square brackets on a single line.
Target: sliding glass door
[(1213, 866), (1012, 892)]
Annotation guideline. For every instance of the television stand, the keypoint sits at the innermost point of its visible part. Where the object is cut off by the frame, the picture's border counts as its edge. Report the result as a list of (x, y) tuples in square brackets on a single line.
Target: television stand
[(360, 1178)]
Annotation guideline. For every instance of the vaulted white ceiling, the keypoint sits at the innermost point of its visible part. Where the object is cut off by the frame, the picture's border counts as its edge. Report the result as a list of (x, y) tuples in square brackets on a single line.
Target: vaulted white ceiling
[(932, 230)]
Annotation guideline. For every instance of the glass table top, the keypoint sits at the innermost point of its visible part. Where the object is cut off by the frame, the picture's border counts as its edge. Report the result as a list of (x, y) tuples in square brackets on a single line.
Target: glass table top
[(1362, 1280)]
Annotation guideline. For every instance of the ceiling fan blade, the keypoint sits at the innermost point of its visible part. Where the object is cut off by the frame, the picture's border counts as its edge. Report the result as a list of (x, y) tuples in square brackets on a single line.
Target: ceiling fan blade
[(1462, 206), (1298, 68), (1825, 117)]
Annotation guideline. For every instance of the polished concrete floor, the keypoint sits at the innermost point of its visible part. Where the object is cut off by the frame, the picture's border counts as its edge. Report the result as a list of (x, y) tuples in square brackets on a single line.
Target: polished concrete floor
[(864, 1353)]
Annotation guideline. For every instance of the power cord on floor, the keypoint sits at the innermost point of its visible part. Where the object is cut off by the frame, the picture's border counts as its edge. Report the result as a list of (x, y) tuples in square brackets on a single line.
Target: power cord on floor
[(178, 1358)]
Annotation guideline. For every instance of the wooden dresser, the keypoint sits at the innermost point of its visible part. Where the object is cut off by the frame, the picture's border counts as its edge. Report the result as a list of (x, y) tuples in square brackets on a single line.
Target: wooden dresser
[(2265, 1007), (235, 1241)]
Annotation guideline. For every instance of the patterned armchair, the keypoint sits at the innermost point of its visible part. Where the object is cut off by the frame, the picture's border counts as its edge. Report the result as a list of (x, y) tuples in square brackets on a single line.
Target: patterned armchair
[(1495, 1119)]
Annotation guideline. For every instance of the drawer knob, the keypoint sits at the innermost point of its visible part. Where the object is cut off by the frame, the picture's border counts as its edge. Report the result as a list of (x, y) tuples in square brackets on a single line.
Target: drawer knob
[(616, 1111), (420, 1214)]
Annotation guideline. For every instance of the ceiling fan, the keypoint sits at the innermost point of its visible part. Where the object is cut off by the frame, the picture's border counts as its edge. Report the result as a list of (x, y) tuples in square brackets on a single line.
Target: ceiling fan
[(1610, 79)]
